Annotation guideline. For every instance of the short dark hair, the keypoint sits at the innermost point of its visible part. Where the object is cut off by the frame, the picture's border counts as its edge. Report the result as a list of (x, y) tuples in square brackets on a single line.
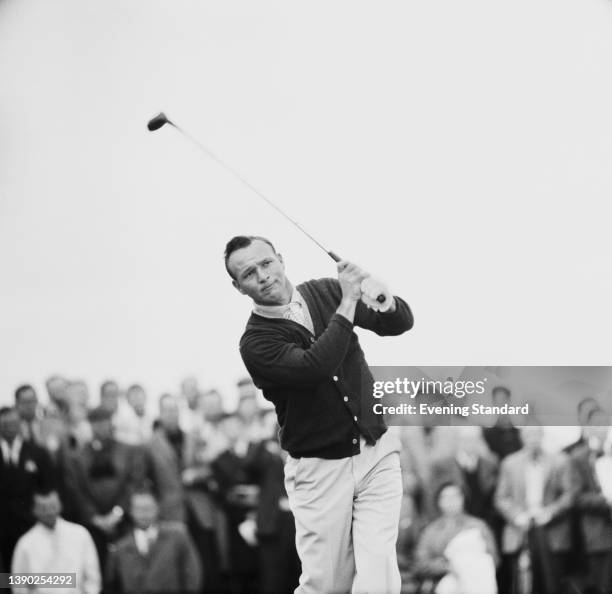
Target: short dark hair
[(106, 384), (7, 410), (21, 389), (45, 491), (241, 241)]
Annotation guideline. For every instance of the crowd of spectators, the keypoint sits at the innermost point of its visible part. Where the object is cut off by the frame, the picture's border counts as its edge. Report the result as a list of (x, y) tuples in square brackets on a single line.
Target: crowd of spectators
[(182, 495), (188, 499)]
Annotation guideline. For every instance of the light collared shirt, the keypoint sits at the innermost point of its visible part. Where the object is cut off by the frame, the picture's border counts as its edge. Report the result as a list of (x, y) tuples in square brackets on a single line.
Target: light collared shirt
[(10, 452), (296, 310), (145, 538), (534, 483), (65, 548)]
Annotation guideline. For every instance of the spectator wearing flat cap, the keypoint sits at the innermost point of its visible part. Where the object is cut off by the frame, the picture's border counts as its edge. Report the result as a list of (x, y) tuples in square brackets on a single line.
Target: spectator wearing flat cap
[(99, 477)]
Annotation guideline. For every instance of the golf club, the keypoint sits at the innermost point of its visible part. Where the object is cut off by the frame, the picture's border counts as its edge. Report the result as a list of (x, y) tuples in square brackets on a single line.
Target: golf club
[(156, 122)]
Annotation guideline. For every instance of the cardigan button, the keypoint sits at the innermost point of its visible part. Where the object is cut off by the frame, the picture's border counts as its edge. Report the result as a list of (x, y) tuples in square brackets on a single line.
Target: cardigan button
[(355, 418), (354, 441), (335, 378), (346, 399), (311, 339)]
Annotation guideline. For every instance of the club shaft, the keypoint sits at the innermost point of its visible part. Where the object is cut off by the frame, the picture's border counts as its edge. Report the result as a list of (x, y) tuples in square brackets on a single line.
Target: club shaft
[(251, 187)]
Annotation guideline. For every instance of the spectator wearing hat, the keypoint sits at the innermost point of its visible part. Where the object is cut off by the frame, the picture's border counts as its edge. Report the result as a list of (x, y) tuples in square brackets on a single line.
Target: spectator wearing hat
[(99, 478)]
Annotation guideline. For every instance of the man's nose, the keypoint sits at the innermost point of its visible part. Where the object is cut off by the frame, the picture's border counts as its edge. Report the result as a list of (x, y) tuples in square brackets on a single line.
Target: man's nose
[(262, 275)]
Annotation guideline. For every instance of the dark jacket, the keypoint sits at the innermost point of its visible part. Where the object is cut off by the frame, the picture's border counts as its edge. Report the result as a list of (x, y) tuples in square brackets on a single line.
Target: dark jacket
[(265, 464), (319, 383), (171, 566), (165, 471), (478, 488), (17, 485), (99, 480), (594, 511)]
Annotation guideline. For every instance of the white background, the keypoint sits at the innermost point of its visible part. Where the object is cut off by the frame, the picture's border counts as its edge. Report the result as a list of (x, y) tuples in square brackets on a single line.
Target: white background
[(460, 150)]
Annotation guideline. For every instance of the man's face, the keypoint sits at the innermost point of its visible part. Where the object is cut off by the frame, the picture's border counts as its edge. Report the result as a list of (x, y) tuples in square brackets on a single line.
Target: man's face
[(47, 508), (231, 428), (137, 399), (450, 500), (56, 388), (9, 425), (169, 414), (260, 273), (144, 510), (532, 438), (26, 404), (248, 408), (109, 397)]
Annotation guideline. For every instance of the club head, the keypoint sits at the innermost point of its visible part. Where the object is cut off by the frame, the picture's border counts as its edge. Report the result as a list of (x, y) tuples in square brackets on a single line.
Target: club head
[(156, 122)]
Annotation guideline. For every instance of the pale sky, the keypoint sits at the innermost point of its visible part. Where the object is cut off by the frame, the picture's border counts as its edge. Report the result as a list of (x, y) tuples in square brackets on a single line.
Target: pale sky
[(459, 150)]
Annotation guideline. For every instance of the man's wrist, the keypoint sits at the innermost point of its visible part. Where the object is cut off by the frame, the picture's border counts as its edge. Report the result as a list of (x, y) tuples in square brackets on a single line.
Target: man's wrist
[(347, 309)]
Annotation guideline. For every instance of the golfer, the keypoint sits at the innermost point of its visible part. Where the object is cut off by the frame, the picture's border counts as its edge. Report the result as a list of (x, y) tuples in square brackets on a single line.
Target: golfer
[(342, 474)]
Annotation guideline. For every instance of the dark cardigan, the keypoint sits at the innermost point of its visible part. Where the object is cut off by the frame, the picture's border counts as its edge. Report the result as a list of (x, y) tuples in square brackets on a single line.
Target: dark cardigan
[(320, 384)]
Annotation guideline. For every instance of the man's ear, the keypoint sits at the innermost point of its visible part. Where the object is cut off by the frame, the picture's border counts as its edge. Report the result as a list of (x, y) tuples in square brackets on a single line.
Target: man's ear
[(280, 259), (237, 286)]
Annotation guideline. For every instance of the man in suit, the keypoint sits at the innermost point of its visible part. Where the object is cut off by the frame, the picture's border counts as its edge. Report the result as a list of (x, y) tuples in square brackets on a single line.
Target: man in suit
[(237, 497), (165, 460), (503, 438), (593, 506), (24, 468), (473, 467), (279, 564), (154, 556), (99, 478), (26, 403), (534, 496)]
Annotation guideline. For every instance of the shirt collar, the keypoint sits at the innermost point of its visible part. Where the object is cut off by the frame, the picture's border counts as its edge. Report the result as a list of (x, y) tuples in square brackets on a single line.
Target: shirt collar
[(278, 311)]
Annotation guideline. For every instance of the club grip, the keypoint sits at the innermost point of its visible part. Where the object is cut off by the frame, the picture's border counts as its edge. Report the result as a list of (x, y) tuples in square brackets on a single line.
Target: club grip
[(336, 258)]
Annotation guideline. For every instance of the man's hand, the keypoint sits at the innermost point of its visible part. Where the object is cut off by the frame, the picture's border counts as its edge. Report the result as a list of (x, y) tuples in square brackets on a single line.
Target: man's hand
[(371, 289), (522, 520), (350, 277)]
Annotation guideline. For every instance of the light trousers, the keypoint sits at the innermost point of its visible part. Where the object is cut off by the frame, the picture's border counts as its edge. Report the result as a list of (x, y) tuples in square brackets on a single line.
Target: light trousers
[(346, 518)]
